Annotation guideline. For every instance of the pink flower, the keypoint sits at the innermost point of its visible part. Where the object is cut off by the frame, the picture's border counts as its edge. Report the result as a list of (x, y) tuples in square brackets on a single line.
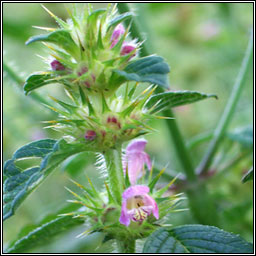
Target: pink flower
[(137, 205), (90, 135), (127, 48), (57, 66), (118, 31), (135, 158)]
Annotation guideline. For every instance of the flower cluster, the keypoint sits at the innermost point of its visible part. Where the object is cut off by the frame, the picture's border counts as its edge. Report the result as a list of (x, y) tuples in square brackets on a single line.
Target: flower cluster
[(89, 55), (142, 209), (96, 61)]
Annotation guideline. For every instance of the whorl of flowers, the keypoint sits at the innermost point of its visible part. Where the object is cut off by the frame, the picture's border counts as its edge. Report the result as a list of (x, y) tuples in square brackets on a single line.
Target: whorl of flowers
[(88, 54), (93, 57)]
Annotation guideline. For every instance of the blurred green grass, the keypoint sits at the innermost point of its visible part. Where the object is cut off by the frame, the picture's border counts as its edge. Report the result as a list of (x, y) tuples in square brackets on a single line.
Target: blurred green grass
[(204, 44)]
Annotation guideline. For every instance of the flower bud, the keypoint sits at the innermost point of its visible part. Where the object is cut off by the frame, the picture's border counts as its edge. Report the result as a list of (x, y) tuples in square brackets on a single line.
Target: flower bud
[(57, 66), (118, 31), (127, 48), (113, 121), (90, 135), (82, 71)]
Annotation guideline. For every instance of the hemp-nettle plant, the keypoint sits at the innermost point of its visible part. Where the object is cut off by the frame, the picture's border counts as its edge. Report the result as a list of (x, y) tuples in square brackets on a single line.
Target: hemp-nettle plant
[(113, 94)]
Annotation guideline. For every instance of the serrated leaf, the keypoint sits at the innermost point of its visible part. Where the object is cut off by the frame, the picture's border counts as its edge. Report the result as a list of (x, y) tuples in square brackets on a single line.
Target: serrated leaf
[(35, 81), (151, 69), (61, 38), (20, 183), (44, 233), (243, 135), (61, 151), (248, 176), (174, 99), (195, 239), (38, 148)]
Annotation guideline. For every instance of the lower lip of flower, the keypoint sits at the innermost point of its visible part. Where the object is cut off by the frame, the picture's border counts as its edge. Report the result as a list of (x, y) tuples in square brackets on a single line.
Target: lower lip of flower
[(135, 206), (139, 214)]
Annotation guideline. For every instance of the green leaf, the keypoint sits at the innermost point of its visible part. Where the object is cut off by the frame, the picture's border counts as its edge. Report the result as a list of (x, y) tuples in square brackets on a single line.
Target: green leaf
[(61, 38), (35, 81), (195, 239), (243, 135), (44, 233), (92, 18), (248, 176), (38, 148), (151, 69), (174, 99), (20, 183), (120, 18)]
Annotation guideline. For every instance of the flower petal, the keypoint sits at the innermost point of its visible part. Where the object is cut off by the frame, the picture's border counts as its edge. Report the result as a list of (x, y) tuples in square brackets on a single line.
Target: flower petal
[(134, 191), (149, 201), (137, 145), (135, 166), (118, 31), (147, 160), (124, 218)]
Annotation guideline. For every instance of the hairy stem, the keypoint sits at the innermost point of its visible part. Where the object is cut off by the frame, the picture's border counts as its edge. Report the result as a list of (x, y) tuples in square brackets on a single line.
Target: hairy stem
[(176, 135), (113, 158), (229, 109)]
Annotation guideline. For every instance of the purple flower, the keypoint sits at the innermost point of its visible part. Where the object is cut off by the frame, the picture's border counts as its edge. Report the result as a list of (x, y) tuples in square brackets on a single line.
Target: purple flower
[(137, 205), (118, 31), (135, 158), (127, 48), (57, 66)]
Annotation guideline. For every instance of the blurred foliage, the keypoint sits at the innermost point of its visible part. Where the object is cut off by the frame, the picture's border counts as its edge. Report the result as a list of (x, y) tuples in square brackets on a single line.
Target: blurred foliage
[(204, 44)]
